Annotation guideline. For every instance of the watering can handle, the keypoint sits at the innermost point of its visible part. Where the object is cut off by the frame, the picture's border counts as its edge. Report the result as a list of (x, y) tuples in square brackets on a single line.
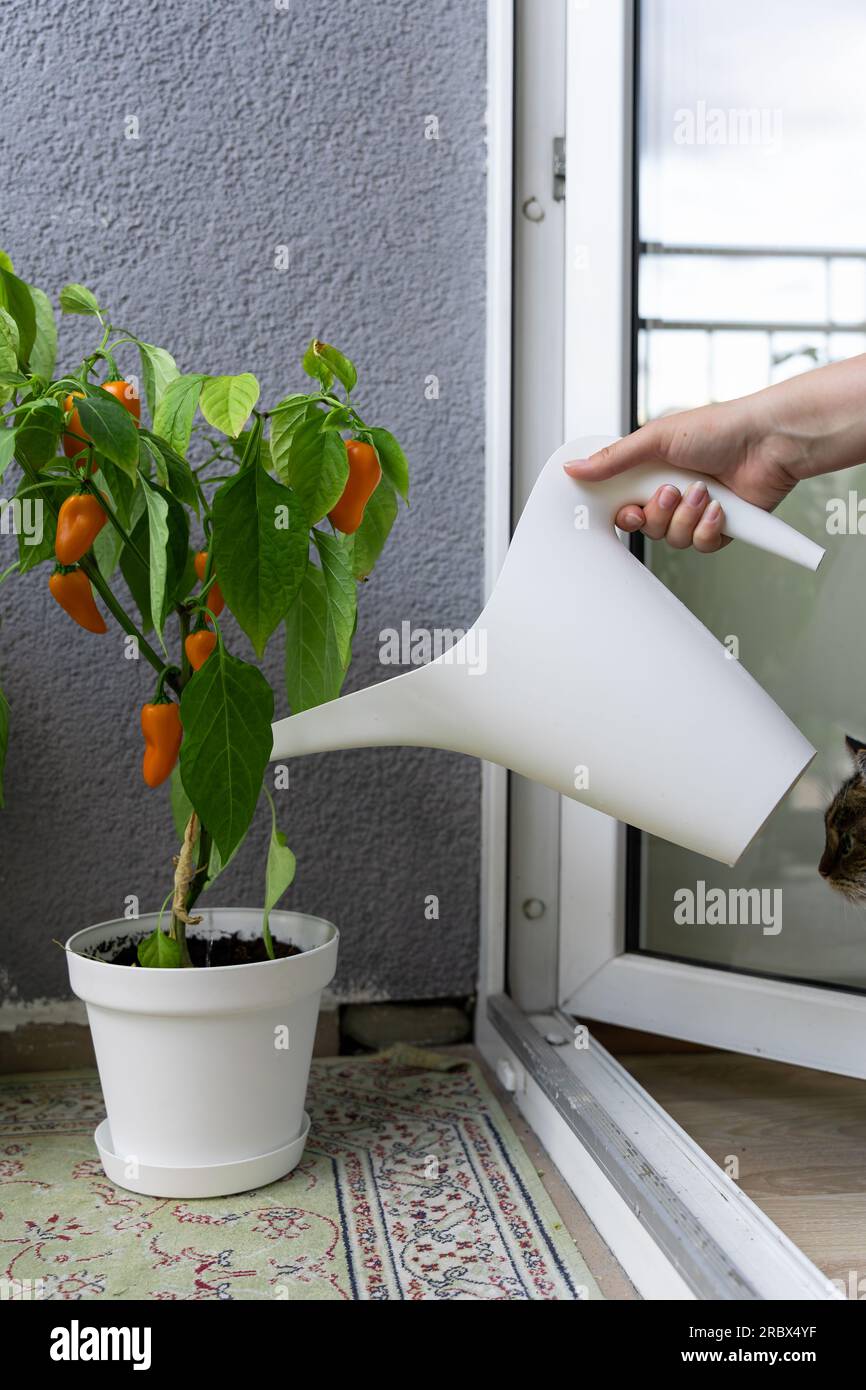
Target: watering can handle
[(743, 520)]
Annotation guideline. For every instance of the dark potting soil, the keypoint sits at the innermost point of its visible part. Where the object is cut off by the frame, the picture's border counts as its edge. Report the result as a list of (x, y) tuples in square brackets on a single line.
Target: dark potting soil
[(224, 950)]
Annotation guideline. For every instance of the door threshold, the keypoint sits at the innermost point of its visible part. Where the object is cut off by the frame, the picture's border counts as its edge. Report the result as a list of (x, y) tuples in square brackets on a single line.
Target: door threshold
[(678, 1224)]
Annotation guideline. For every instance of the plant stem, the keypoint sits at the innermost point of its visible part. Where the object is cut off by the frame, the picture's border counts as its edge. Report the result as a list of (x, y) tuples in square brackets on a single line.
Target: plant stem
[(179, 936), (164, 675), (90, 486), (195, 882), (197, 886), (91, 569), (184, 877), (23, 409), (183, 616), (205, 506)]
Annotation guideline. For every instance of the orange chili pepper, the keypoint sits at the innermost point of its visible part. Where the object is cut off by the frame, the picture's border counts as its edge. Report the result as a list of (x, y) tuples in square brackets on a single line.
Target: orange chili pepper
[(365, 475), (163, 734), (71, 588), (199, 646), (79, 522), (215, 600)]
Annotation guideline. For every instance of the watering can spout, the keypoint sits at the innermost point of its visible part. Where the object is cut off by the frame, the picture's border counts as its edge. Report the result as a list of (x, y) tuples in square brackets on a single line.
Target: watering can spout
[(585, 673)]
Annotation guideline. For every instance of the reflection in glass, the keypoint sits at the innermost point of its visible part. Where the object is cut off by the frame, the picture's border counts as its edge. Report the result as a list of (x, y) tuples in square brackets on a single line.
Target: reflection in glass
[(752, 216)]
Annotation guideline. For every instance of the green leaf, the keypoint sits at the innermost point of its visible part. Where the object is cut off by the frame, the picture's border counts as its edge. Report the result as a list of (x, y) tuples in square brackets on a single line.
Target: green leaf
[(242, 443), (4, 743), (343, 369), (261, 547), (227, 402), (286, 419), (43, 354), (37, 436), (315, 365), (6, 261), (342, 417), (121, 489), (137, 575), (8, 342), (156, 508), (106, 551), (158, 370), (316, 468), (159, 951), (226, 710), (29, 556), (295, 401), (187, 581), (181, 806), (370, 537), (112, 429), (7, 449), (8, 352), (340, 588), (172, 470), (216, 865), (176, 411), (394, 463), (181, 810), (251, 453), (279, 874), (314, 670), (77, 299), (15, 296)]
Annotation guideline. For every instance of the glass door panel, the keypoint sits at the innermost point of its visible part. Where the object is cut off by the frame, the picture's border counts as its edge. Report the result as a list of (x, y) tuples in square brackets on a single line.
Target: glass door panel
[(752, 267)]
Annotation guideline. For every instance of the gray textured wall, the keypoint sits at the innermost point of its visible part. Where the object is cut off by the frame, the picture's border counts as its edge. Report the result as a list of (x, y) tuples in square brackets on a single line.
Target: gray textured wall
[(259, 126)]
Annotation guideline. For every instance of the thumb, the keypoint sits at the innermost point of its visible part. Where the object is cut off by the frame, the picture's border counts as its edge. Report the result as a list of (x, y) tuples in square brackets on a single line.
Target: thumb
[(634, 449)]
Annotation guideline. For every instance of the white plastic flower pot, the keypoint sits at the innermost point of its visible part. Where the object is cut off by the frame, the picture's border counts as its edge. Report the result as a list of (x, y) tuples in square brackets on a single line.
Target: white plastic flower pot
[(204, 1071)]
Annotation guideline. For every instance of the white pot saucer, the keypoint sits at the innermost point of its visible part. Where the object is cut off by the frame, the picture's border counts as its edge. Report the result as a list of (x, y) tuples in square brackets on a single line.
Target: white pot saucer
[(212, 1180)]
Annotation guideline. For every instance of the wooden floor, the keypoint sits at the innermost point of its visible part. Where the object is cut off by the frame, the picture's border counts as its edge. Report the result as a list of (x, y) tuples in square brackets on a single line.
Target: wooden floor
[(798, 1138)]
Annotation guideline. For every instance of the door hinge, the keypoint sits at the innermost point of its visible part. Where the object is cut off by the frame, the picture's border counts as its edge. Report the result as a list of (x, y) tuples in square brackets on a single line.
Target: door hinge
[(558, 168)]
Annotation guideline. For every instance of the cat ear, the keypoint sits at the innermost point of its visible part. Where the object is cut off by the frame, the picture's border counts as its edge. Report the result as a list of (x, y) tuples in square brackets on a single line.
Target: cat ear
[(858, 754)]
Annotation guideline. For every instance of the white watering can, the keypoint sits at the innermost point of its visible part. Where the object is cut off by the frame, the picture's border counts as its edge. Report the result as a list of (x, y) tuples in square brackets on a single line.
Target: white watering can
[(585, 673)]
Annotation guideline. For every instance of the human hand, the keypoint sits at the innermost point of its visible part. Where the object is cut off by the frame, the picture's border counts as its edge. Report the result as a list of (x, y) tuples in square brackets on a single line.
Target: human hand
[(735, 441)]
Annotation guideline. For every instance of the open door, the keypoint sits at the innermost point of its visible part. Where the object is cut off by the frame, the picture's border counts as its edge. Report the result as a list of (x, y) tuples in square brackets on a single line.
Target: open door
[(644, 280), (735, 280)]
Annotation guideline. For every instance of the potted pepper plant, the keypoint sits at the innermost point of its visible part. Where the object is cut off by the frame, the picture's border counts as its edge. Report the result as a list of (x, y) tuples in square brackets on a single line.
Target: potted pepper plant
[(203, 1018)]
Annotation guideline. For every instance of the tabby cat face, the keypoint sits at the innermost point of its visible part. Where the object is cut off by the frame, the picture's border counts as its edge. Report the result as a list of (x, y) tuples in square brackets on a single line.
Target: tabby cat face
[(843, 863)]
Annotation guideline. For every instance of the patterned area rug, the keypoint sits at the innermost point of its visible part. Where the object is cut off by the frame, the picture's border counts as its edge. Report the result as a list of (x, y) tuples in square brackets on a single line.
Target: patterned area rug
[(413, 1185)]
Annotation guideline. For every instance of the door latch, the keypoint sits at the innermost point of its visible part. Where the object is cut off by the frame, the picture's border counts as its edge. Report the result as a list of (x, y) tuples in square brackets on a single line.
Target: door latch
[(558, 168)]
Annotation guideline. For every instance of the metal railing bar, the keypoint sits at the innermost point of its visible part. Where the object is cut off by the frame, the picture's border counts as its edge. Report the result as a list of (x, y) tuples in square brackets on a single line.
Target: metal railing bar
[(749, 325), (659, 248)]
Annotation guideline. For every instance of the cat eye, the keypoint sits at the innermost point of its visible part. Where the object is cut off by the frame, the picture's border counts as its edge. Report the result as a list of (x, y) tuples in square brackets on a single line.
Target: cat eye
[(846, 843)]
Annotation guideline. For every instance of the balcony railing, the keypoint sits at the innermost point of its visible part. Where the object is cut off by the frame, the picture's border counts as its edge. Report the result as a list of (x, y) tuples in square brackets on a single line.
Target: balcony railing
[(828, 335)]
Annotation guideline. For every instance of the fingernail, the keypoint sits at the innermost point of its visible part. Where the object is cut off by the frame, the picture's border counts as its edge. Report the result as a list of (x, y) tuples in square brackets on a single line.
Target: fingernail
[(633, 518), (696, 494), (713, 512), (668, 498), (573, 463)]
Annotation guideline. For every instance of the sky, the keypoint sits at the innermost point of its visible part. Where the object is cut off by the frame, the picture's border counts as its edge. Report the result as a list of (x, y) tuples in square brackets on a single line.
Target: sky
[(805, 61)]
